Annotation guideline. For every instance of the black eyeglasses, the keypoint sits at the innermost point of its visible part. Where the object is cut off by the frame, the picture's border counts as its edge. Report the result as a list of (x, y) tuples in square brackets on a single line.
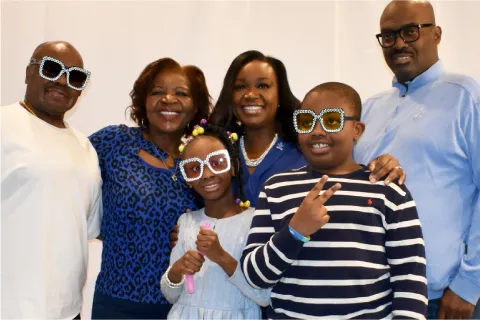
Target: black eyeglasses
[(410, 33)]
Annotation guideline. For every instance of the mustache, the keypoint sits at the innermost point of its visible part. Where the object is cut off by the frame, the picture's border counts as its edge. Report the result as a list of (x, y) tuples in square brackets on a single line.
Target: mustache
[(58, 87), (400, 51)]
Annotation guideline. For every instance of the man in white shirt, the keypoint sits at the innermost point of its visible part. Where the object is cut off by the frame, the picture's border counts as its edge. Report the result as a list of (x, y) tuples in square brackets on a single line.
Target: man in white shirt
[(50, 189)]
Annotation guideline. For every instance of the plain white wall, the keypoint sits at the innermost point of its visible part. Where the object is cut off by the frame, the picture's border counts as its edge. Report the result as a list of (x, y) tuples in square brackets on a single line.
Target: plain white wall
[(317, 40)]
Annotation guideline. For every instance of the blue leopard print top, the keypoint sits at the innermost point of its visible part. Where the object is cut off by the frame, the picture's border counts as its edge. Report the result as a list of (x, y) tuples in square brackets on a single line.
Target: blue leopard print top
[(141, 204)]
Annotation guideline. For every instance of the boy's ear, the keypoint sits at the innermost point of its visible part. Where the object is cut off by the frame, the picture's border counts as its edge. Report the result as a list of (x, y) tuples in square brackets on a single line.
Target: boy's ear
[(359, 130)]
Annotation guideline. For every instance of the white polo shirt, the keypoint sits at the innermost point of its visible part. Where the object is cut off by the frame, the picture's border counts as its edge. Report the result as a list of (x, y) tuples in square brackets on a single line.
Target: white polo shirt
[(51, 206)]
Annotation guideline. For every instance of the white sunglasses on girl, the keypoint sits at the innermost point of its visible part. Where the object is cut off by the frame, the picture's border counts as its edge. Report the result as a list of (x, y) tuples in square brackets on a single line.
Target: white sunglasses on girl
[(218, 162)]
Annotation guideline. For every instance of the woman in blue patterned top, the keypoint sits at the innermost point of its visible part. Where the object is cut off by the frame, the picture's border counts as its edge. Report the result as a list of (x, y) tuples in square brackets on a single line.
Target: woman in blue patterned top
[(144, 193)]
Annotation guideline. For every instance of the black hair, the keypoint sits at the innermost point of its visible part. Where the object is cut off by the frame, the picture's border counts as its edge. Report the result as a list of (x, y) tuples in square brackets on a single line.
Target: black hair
[(223, 114), (221, 134), (343, 90)]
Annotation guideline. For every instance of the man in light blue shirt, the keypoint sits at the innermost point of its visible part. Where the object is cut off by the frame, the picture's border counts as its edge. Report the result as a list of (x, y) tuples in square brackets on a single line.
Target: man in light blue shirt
[(430, 121)]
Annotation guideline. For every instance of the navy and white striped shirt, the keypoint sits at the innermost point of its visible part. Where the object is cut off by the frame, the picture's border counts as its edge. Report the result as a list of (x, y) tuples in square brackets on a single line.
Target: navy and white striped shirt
[(368, 261)]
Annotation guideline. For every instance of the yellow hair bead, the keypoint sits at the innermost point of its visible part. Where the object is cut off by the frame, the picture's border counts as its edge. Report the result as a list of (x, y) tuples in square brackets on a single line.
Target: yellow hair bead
[(246, 204), (234, 136), (181, 148), (201, 130), (242, 204), (195, 133)]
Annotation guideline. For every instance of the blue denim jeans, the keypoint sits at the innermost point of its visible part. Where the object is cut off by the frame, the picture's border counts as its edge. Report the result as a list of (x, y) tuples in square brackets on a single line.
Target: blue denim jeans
[(433, 306), (476, 312)]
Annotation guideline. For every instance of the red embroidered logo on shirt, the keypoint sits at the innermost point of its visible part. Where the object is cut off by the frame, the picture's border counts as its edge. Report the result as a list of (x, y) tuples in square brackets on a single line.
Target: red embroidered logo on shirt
[(370, 202)]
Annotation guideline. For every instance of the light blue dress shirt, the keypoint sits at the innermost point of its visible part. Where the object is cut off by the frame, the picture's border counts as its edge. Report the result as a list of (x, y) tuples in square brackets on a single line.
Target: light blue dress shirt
[(432, 126)]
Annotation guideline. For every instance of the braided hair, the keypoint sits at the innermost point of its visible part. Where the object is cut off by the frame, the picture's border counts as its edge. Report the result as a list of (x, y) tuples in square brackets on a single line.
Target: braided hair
[(224, 137)]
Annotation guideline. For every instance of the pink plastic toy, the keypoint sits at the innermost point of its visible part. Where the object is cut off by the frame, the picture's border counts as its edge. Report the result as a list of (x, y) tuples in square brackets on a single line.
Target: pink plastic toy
[(190, 282)]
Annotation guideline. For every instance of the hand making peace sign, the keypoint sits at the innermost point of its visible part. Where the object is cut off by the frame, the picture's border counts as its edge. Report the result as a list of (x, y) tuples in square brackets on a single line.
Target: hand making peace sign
[(312, 213)]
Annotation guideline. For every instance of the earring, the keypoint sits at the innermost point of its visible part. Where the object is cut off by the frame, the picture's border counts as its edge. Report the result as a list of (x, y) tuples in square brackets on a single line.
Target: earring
[(278, 106), (143, 122), (188, 126), (239, 123)]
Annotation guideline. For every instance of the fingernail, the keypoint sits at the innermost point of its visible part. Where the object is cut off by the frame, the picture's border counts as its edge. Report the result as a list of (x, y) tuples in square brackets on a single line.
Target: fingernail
[(372, 180), (387, 182)]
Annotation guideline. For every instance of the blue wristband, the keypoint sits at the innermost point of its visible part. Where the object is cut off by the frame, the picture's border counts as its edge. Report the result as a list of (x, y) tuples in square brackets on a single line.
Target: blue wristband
[(298, 235)]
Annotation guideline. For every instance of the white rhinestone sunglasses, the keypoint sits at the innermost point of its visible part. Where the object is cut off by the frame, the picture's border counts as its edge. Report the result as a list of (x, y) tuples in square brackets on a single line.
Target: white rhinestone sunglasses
[(218, 162), (331, 120), (52, 69)]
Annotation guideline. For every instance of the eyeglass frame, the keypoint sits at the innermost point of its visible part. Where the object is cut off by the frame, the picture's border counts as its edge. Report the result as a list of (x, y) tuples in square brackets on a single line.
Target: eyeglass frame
[(65, 69), (319, 116), (398, 33), (205, 162)]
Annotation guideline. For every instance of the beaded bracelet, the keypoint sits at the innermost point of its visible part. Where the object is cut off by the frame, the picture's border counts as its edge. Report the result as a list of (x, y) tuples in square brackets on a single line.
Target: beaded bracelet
[(298, 235), (170, 283)]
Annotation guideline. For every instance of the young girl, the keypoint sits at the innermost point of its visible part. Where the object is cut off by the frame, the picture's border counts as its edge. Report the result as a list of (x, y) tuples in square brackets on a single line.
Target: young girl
[(208, 256)]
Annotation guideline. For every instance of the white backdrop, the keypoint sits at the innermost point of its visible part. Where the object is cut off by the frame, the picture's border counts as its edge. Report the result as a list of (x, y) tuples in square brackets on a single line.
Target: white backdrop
[(317, 40)]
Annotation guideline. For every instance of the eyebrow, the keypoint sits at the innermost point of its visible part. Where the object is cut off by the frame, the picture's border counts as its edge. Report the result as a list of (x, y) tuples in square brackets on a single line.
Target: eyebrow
[(403, 26), (258, 79), (162, 87)]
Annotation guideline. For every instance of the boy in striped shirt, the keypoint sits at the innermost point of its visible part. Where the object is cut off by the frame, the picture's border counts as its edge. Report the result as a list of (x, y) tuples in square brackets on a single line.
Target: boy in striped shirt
[(328, 241)]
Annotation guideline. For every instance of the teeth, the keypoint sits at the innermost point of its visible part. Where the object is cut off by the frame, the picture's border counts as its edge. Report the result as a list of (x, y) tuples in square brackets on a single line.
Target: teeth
[(320, 145), (169, 113), (211, 186), (252, 108), (402, 58)]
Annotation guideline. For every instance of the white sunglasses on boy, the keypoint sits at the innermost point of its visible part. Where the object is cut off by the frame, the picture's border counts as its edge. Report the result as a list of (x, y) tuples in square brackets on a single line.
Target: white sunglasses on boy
[(331, 120)]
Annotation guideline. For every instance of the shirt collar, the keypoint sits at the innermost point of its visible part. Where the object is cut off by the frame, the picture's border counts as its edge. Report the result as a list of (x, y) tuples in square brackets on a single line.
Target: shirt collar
[(431, 74)]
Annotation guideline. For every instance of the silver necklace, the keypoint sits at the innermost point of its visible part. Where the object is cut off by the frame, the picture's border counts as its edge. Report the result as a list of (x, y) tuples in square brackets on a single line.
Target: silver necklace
[(256, 162)]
